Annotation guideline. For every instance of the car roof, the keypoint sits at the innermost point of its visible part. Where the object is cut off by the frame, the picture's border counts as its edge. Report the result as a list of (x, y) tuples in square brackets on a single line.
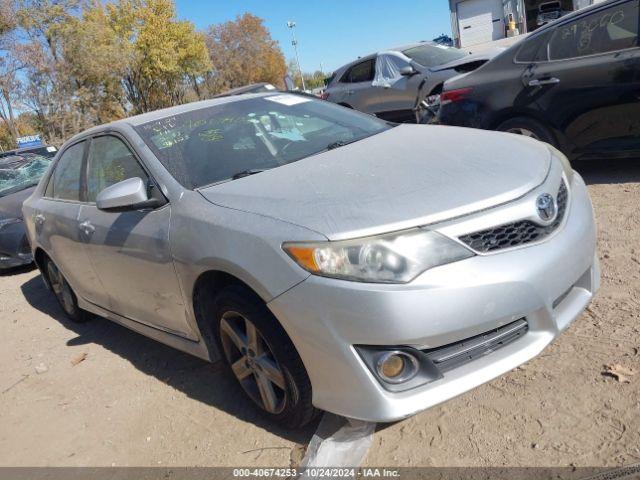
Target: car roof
[(18, 151), (399, 48)]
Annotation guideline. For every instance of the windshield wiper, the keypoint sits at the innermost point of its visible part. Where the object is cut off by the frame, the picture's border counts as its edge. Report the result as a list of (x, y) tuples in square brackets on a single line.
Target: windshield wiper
[(246, 173), (339, 143)]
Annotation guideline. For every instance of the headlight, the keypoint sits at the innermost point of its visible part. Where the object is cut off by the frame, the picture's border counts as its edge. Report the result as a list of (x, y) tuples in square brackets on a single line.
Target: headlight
[(566, 165), (392, 258), (4, 222)]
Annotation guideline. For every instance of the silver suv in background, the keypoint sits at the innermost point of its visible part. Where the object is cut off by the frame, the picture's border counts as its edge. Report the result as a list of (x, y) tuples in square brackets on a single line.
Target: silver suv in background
[(390, 84)]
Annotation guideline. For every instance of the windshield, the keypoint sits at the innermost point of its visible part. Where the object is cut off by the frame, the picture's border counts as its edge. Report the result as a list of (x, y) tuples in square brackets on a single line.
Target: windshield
[(20, 172), (432, 55), (231, 140)]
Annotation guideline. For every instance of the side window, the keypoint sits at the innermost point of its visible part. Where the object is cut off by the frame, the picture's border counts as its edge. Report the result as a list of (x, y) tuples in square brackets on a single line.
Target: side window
[(361, 72), (534, 49), (64, 183), (110, 161), (615, 28)]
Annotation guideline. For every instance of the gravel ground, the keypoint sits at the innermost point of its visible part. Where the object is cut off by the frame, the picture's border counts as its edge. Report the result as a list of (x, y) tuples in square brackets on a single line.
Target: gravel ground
[(97, 394)]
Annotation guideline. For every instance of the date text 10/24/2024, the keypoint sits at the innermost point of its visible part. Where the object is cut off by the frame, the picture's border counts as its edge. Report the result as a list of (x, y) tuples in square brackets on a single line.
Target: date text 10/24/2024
[(317, 472)]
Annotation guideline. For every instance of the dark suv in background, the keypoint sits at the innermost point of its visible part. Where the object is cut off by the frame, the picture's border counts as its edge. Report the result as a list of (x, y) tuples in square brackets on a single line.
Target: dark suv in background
[(574, 83)]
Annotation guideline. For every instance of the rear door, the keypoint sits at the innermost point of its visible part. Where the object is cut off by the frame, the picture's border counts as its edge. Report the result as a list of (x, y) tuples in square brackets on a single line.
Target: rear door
[(480, 21), (56, 223), (130, 250), (589, 87)]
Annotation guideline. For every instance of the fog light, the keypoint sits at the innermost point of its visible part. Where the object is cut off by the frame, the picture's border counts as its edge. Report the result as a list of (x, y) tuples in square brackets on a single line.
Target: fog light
[(396, 366)]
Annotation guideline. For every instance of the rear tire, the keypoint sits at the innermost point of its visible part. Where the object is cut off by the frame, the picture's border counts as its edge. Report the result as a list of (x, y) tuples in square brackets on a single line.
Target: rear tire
[(64, 293), (528, 127), (262, 358)]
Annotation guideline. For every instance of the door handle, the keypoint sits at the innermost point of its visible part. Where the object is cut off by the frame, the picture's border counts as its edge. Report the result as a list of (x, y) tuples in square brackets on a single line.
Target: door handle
[(544, 81), (39, 219), (86, 227), (350, 92)]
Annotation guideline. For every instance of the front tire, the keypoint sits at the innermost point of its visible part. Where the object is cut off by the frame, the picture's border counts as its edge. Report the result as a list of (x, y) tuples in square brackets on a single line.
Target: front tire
[(528, 127), (262, 358), (64, 294)]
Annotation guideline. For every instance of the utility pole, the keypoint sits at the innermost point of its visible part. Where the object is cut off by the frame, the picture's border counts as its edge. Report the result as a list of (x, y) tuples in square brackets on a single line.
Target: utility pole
[(294, 42)]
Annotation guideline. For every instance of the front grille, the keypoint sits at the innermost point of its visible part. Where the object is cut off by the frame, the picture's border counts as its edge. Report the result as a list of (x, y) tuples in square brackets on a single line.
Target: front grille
[(516, 233), (456, 354)]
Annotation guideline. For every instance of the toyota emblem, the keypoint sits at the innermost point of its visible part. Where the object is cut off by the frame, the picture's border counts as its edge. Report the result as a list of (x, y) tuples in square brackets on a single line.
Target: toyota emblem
[(546, 206)]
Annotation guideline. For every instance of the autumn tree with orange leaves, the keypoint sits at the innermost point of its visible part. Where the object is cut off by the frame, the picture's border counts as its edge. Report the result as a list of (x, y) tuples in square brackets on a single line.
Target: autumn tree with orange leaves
[(242, 52)]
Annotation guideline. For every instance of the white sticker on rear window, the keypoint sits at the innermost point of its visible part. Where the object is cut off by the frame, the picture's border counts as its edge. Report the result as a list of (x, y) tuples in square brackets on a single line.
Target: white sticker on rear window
[(288, 100), (51, 149), (268, 86)]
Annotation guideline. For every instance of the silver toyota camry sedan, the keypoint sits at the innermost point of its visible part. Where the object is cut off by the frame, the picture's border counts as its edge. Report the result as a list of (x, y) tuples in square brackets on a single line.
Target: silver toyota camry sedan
[(335, 261)]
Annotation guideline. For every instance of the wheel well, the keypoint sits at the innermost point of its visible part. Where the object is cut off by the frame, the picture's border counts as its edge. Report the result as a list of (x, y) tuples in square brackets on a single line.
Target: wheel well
[(436, 90), (502, 117), (40, 258), (509, 114), (205, 290)]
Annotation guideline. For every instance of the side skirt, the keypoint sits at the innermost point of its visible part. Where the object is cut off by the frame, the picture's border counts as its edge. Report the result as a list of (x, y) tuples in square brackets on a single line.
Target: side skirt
[(195, 348)]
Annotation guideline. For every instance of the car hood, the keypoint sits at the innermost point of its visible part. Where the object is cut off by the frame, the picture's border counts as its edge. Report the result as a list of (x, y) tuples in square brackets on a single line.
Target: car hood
[(11, 204), (410, 175)]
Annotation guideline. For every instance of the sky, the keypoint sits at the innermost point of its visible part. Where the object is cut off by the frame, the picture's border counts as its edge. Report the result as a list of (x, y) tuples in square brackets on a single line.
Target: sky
[(331, 33)]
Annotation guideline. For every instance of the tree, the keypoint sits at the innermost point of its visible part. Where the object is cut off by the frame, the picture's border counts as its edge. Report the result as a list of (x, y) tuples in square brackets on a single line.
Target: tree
[(46, 85), (311, 80), (242, 52), (163, 53), (95, 63)]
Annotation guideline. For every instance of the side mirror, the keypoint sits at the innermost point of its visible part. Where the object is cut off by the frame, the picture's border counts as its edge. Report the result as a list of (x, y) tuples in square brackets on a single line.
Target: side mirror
[(408, 71), (130, 194)]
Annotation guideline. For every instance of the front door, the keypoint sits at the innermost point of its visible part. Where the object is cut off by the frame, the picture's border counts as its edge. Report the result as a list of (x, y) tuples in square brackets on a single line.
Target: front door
[(130, 250), (397, 93), (589, 87)]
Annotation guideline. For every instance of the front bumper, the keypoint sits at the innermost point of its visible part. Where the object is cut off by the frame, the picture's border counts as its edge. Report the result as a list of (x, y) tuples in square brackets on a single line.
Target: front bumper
[(549, 284), (14, 247)]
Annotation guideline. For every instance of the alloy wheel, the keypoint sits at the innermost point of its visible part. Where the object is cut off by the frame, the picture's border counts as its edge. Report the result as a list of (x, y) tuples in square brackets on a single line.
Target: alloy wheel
[(253, 362), (61, 288)]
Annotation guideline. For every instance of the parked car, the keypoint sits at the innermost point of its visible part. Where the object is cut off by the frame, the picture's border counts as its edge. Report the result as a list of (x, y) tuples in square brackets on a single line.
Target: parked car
[(549, 11), (390, 84), (252, 88), (337, 261), (574, 84), (47, 151), (19, 175)]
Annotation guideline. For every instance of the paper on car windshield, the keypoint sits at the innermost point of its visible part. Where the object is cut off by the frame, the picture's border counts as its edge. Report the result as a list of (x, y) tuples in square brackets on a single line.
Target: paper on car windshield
[(287, 100)]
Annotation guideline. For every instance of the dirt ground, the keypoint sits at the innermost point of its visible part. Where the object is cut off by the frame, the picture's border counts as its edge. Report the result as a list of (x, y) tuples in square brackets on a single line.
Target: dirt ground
[(134, 402)]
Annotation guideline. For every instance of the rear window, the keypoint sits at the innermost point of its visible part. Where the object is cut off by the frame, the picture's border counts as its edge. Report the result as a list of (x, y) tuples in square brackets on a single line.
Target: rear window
[(215, 144), (432, 55), (609, 30)]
